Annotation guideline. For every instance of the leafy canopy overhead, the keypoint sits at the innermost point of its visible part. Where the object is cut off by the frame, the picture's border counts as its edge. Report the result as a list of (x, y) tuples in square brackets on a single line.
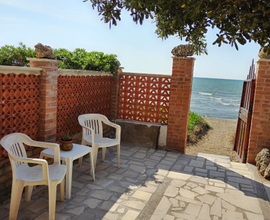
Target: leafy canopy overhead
[(238, 21)]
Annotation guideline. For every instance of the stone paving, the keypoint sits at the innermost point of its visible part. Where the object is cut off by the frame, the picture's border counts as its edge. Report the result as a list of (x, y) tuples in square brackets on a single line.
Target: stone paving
[(154, 184)]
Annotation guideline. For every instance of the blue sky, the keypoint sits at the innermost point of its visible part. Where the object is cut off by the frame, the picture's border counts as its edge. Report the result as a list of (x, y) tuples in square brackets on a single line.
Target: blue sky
[(74, 24)]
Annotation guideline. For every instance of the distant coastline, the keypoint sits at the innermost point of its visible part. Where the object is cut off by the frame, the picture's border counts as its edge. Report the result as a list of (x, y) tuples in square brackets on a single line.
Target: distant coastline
[(217, 78)]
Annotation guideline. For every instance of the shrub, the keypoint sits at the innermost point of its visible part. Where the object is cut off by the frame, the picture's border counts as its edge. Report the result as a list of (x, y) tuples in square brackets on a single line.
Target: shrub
[(15, 56), (197, 127), (79, 59)]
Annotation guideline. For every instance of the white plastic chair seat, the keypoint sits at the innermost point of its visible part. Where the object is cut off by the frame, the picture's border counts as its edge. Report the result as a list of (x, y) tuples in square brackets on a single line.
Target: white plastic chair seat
[(34, 174), (103, 142)]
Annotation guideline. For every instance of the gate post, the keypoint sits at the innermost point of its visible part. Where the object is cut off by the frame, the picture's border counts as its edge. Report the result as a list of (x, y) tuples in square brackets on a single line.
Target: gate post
[(180, 96), (114, 95), (48, 97), (260, 123)]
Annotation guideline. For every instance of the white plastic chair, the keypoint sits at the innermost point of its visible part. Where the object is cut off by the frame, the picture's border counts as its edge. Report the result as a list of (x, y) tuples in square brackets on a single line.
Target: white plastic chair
[(92, 134), (23, 175)]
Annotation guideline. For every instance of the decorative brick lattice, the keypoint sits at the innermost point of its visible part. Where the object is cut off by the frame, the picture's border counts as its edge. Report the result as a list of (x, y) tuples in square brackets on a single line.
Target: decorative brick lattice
[(78, 95), (19, 97), (144, 98)]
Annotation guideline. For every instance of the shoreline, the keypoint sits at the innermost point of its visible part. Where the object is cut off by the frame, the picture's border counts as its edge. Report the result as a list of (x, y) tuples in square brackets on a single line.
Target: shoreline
[(225, 119)]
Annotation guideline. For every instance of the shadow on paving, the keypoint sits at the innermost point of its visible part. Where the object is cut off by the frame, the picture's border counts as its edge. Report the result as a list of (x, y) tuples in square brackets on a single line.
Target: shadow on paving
[(154, 184)]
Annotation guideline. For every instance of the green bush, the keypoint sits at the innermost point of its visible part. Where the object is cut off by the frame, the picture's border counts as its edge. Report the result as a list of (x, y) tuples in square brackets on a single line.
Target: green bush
[(197, 127), (15, 56), (79, 59), (193, 120)]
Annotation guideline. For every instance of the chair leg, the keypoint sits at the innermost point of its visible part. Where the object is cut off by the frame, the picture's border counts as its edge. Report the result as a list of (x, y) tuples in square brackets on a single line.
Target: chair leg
[(81, 158), (16, 194), (52, 200), (118, 155), (28, 193), (95, 153), (103, 153), (62, 190)]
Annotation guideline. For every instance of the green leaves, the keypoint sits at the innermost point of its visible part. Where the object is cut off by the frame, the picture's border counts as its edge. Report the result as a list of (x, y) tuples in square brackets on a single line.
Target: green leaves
[(15, 56), (79, 59), (237, 20), (83, 60)]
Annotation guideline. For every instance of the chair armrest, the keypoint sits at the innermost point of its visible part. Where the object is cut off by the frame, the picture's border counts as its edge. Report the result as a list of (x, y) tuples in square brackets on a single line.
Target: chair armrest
[(91, 131), (54, 146), (44, 163), (116, 126)]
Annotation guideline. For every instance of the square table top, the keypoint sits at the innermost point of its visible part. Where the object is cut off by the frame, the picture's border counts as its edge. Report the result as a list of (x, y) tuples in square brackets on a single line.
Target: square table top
[(76, 152)]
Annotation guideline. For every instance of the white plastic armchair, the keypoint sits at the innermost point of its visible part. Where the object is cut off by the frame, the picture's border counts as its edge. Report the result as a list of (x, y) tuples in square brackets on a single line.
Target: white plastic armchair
[(92, 134), (23, 175)]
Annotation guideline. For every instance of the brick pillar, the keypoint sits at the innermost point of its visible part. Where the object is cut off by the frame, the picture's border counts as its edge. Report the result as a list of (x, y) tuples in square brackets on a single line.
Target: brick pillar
[(114, 95), (260, 123), (48, 97), (181, 86)]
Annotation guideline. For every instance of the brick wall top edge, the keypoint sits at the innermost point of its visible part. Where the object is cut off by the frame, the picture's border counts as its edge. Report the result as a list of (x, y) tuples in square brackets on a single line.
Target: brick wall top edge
[(19, 69), (147, 74), (43, 60), (263, 60), (184, 58), (69, 72)]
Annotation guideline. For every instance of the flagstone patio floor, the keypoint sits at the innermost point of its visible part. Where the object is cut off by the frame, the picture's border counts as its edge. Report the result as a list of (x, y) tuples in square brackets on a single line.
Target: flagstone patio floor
[(154, 184)]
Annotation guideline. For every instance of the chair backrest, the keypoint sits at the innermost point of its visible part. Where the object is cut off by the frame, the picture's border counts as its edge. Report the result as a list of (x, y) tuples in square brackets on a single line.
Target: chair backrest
[(93, 121), (13, 144)]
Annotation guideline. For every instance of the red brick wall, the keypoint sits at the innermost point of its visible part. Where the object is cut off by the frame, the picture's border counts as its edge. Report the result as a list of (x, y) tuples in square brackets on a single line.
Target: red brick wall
[(260, 123), (19, 112), (48, 97), (81, 95), (114, 95), (144, 97), (181, 86)]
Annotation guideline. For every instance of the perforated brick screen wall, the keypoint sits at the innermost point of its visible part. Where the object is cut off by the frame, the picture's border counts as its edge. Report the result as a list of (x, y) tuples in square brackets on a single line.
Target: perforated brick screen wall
[(78, 95), (144, 98), (19, 110)]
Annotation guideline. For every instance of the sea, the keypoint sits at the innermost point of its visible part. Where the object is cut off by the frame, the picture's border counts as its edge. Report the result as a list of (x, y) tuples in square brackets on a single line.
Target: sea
[(217, 98)]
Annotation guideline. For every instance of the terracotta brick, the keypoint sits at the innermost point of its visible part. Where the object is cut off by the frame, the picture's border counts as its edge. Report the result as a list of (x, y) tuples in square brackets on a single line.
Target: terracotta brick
[(260, 129), (181, 86)]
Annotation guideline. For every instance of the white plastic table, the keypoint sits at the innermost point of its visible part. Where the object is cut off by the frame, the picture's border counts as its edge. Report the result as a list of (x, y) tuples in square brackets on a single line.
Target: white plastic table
[(67, 158)]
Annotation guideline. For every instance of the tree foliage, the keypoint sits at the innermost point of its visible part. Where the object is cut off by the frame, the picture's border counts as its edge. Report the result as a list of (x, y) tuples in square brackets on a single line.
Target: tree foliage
[(15, 56), (238, 21), (78, 59)]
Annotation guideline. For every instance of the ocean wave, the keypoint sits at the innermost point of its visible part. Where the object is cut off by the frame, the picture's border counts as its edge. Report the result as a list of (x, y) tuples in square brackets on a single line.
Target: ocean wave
[(224, 103), (205, 93), (229, 104), (215, 98), (234, 100)]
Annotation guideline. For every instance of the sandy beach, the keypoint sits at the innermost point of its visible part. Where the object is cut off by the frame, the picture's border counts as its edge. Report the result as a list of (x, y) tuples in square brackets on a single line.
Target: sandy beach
[(217, 140)]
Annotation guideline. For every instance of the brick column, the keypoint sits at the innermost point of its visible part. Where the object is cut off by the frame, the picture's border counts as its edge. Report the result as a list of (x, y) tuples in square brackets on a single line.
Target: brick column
[(114, 95), (260, 123), (181, 86), (48, 97)]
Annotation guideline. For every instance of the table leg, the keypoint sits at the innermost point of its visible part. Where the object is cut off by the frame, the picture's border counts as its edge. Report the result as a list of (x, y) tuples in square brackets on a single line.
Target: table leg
[(69, 164), (92, 167)]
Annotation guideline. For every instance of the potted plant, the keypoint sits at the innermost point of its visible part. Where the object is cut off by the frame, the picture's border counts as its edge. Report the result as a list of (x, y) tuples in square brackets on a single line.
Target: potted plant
[(66, 142)]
